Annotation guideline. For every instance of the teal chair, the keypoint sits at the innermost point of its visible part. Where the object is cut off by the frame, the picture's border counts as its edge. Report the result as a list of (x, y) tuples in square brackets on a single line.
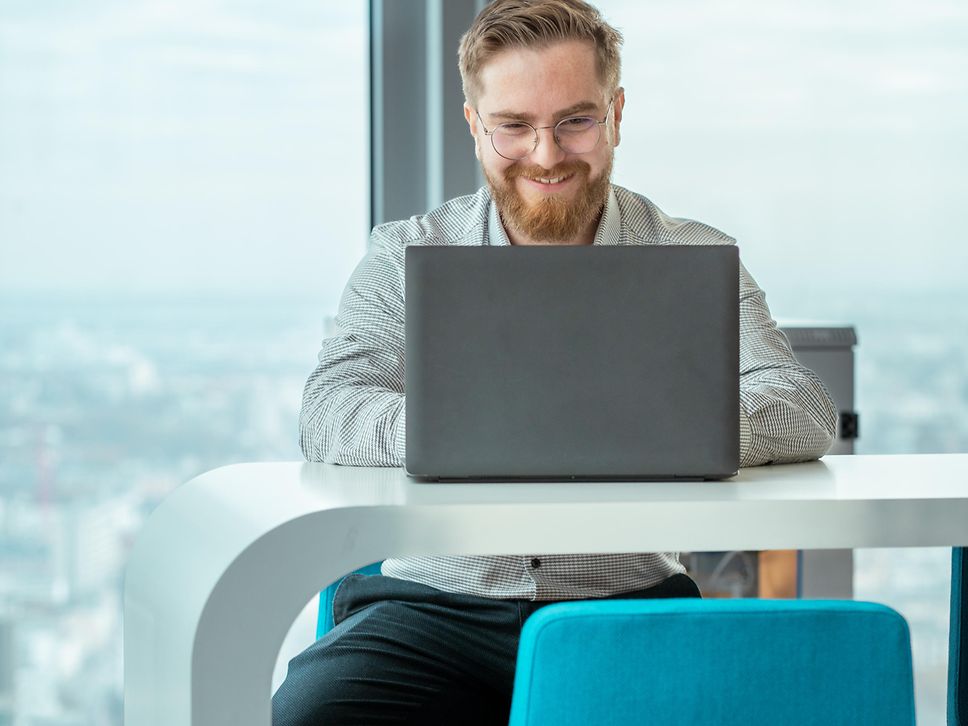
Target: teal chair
[(715, 662), (958, 643), (958, 650), (958, 634), (324, 620)]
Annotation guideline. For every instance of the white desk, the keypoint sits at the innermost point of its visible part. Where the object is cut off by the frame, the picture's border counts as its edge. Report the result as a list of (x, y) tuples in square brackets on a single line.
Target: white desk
[(226, 562)]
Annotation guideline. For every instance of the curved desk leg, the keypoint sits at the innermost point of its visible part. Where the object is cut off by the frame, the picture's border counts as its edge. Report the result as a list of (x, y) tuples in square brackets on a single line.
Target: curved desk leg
[(958, 643), (203, 627)]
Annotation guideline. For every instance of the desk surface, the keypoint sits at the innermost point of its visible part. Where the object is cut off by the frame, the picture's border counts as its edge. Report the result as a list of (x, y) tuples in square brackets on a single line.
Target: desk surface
[(225, 563)]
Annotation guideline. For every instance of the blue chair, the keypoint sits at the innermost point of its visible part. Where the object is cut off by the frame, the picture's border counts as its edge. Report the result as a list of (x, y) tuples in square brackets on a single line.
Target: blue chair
[(958, 643), (324, 620), (716, 662)]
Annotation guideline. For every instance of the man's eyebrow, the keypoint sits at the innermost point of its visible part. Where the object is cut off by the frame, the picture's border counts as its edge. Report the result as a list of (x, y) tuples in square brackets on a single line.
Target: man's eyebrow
[(580, 107)]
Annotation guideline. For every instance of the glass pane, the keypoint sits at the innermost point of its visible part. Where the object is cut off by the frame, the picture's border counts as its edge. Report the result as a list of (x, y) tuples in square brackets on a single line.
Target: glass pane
[(829, 140), (183, 194)]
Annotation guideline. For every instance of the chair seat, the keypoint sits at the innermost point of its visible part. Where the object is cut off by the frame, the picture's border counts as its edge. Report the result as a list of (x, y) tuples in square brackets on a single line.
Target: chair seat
[(716, 662)]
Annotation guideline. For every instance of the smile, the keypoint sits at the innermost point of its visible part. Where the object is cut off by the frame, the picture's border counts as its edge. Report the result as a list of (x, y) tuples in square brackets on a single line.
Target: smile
[(555, 180), (550, 182)]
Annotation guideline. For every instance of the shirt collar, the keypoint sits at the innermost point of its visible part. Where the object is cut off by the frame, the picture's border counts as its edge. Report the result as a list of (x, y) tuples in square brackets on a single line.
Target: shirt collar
[(496, 236), (608, 233)]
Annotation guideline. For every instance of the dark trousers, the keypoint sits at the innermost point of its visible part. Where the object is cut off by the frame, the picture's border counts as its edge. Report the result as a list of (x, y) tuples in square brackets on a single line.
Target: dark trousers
[(404, 653)]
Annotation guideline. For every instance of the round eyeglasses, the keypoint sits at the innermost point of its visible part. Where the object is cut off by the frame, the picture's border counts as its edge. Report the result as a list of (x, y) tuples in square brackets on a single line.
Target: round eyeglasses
[(574, 135)]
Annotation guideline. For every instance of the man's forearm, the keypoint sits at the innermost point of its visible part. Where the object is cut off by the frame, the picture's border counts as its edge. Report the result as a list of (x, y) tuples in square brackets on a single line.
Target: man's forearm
[(785, 415), (350, 424)]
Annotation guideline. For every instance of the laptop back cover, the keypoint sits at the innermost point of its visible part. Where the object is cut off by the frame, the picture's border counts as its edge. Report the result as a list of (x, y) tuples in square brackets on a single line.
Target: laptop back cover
[(572, 362)]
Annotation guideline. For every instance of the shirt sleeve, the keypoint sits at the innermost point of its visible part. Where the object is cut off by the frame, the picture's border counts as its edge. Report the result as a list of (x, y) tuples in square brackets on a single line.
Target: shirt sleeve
[(353, 408), (786, 413)]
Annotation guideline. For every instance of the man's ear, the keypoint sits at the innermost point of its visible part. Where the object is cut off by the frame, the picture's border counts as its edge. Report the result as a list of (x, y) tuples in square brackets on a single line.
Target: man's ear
[(470, 115), (617, 108)]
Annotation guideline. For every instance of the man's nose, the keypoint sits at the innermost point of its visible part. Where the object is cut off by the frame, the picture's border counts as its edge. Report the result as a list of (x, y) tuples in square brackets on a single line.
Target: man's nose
[(548, 153)]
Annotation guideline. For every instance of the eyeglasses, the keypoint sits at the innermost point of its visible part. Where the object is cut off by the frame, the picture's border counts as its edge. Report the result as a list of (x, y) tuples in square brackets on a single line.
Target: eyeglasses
[(574, 135)]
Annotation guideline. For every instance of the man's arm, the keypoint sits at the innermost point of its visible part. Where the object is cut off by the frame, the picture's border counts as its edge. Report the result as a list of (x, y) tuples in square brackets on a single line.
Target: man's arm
[(785, 411), (353, 408)]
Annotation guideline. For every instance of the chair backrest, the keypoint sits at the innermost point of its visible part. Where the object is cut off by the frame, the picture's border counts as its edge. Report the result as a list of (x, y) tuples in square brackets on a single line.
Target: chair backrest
[(324, 620), (958, 644), (716, 662)]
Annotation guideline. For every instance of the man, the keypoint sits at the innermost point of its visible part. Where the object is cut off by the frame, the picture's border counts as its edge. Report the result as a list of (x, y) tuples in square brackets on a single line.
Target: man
[(434, 639)]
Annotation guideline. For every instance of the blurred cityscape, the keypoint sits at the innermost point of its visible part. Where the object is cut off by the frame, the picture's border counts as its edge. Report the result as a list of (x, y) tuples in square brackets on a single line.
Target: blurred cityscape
[(104, 409), (106, 406)]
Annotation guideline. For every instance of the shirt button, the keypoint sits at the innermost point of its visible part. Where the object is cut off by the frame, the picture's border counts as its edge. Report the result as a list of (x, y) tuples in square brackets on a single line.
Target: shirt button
[(535, 563)]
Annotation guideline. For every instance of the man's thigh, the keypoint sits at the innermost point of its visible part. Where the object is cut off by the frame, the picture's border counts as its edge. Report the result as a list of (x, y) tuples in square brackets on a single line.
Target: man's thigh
[(405, 662), (405, 653)]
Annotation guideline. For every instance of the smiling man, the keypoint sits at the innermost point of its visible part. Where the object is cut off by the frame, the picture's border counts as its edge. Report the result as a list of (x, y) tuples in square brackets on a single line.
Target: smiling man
[(433, 640)]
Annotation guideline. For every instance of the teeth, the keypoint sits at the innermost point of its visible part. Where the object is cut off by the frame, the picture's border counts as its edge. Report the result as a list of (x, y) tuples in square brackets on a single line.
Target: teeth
[(551, 181)]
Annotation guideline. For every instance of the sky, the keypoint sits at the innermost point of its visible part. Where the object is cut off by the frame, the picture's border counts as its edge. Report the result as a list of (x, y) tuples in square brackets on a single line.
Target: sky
[(216, 147), (182, 146), (827, 137)]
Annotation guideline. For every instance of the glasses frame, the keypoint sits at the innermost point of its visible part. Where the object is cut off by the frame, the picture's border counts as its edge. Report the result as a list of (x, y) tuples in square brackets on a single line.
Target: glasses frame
[(537, 136)]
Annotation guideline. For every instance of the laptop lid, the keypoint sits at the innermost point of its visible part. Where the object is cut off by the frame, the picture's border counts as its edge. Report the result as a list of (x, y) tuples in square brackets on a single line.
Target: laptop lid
[(572, 362)]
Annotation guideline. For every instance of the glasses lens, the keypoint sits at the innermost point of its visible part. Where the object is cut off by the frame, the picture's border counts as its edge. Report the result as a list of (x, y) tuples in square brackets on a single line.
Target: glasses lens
[(514, 141), (577, 135)]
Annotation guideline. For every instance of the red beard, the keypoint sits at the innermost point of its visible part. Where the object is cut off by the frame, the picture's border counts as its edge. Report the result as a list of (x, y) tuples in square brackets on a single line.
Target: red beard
[(555, 219)]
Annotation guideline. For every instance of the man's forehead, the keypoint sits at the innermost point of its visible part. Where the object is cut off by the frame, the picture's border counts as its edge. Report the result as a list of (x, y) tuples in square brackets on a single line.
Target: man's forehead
[(560, 78)]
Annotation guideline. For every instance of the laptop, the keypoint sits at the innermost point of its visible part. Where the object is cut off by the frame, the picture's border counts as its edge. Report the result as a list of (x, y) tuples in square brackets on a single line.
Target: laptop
[(572, 363)]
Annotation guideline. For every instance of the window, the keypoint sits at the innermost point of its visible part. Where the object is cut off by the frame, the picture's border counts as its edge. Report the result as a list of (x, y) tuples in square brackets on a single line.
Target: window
[(183, 193), (829, 140)]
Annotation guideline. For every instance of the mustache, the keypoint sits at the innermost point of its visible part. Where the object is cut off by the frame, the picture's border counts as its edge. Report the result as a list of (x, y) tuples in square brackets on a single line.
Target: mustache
[(566, 168)]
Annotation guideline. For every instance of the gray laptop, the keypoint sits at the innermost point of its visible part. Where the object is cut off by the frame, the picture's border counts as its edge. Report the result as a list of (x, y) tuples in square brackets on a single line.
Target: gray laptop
[(560, 363)]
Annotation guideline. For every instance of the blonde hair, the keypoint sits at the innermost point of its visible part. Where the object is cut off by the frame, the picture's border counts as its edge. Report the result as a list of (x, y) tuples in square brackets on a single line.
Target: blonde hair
[(534, 24)]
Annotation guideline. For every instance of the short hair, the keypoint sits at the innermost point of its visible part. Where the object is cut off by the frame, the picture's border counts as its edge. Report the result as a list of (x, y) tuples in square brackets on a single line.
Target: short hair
[(507, 24)]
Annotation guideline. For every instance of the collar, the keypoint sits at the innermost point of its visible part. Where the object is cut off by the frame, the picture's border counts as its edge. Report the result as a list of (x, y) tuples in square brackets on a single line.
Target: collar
[(608, 233)]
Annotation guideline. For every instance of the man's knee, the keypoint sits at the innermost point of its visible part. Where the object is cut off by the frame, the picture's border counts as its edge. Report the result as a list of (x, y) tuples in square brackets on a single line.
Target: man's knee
[(348, 676), (303, 696), (313, 679)]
